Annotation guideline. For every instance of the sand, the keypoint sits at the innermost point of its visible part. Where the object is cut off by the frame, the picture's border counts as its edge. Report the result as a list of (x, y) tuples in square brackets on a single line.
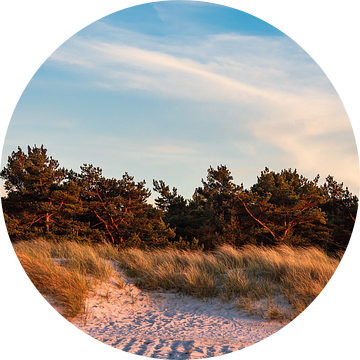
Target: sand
[(168, 325)]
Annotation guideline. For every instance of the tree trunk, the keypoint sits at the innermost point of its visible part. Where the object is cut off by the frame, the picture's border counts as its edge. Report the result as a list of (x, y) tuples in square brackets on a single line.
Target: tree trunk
[(47, 223), (257, 220)]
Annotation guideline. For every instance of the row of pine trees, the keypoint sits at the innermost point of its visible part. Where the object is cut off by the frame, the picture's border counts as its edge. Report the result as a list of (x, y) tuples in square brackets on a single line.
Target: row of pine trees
[(45, 200)]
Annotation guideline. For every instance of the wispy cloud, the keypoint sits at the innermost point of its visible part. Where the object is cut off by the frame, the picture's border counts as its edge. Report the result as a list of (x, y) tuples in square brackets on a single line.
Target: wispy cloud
[(121, 67), (215, 79), (281, 95)]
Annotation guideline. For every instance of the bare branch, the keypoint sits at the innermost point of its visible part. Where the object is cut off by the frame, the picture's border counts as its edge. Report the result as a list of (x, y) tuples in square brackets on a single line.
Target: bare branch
[(257, 220)]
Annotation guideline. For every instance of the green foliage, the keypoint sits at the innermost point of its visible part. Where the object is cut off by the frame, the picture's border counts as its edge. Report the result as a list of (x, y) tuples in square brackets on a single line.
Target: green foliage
[(175, 210), (32, 175), (285, 208), (46, 200), (181, 244), (340, 207), (281, 208), (120, 210), (39, 200)]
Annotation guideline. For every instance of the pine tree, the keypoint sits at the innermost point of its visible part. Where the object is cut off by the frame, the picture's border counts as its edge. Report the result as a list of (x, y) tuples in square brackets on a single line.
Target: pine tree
[(340, 207), (214, 204), (174, 208), (39, 201), (120, 210), (285, 208)]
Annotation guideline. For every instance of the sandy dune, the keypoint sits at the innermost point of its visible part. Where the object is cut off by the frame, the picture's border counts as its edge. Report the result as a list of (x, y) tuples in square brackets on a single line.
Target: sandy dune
[(169, 325)]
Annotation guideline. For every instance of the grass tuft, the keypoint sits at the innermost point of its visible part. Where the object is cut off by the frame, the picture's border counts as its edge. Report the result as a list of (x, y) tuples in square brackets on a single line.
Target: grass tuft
[(66, 271), (254, 277)]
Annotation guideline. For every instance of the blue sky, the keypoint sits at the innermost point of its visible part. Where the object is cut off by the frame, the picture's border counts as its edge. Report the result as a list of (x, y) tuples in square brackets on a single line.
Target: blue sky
[(164, 90)]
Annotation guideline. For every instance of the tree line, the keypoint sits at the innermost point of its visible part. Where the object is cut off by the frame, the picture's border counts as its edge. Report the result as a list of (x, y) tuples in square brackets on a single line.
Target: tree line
[(44, 199)]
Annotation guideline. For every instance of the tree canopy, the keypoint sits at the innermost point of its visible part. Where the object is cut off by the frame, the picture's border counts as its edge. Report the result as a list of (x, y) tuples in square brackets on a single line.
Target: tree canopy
[(44, 199)]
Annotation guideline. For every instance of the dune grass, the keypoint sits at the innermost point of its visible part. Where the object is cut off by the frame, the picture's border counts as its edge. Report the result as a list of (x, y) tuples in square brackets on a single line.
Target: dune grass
[(66, 271), (255, 277), (277, 283)]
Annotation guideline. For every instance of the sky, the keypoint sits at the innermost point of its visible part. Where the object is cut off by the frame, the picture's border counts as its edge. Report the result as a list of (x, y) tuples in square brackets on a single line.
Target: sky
[(165, 90)]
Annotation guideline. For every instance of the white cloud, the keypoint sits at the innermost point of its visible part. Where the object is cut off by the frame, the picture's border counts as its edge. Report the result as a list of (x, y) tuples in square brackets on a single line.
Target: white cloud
[(171, 149), (161, 12), (283, 97), (153, 70)]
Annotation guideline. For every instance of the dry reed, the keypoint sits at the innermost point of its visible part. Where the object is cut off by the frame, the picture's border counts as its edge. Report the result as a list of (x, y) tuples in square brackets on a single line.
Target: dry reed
[(254, 277)]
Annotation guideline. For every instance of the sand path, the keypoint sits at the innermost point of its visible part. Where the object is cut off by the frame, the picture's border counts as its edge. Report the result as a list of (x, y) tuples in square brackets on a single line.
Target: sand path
[(168, 325)]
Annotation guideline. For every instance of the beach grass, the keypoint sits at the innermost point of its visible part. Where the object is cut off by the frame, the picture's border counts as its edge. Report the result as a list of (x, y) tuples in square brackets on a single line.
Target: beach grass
[(66, 271), (276, 283)]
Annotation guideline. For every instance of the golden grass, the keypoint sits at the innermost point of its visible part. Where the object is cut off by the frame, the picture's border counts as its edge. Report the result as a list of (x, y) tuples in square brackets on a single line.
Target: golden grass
[(249, 274), (254, 277), (66, 271)]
